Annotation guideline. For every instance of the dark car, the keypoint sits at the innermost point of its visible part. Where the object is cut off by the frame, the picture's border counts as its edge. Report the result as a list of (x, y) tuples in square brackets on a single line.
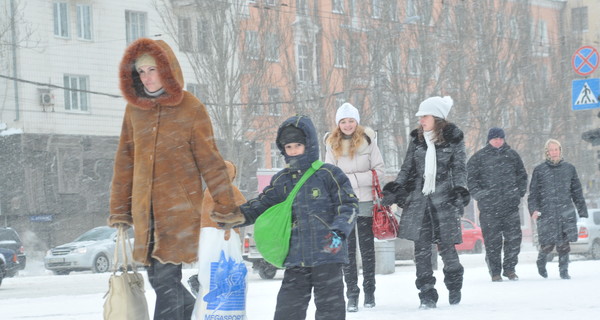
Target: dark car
[(10, 262), (9, 239)]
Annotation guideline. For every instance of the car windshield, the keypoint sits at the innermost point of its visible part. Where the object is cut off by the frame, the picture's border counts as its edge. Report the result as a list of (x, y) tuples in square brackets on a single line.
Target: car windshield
[(7, 235), (97, 234)]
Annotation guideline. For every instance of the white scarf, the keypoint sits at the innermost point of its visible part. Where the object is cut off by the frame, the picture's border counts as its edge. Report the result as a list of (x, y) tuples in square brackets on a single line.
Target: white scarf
[(430, 164)]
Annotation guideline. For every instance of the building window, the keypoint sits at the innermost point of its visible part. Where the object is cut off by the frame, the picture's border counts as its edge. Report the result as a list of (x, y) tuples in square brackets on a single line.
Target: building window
[(252, 49), (277, 159), (274, 102), (135, 24), (301, 7), (61, 19), (339, 49), (259, 151), (185, 34), (303, 63), (514, 28), (338, 6), (199, 91), (272, 46), (579, 19), (254, 100), (414, 67), (270, 2), (84, 21), (76, 95), (204, 36)]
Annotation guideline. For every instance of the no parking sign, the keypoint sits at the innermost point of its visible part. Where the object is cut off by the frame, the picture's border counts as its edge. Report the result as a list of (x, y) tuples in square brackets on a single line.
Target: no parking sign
[(585, 60)]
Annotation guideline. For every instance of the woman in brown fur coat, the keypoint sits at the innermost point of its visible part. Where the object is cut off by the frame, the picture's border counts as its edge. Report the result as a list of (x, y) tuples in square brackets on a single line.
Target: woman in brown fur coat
[(165, 150)]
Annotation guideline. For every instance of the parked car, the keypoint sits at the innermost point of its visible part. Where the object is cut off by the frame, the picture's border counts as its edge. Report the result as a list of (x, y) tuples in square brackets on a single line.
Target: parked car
[(250, 253), (588, 239), (472, 237), (11, 263), (9, 239), (93, 250), (472, 242)]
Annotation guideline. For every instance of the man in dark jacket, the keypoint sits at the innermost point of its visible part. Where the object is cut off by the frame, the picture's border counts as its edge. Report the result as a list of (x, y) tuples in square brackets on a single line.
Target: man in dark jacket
[(497, 180)]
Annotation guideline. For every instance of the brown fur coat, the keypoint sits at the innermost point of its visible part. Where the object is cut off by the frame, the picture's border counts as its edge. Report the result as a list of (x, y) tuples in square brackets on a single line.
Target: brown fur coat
[(165, 150)]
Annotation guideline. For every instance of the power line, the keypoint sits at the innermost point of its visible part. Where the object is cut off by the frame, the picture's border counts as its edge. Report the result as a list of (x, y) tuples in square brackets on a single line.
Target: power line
[(60, 87)]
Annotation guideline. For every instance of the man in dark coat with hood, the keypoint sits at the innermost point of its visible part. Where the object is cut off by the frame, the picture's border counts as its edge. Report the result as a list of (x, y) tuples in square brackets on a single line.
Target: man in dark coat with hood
[(497, 180)]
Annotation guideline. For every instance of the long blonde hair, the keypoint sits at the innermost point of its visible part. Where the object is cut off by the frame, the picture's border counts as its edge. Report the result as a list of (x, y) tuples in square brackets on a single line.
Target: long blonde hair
[(337, 136)]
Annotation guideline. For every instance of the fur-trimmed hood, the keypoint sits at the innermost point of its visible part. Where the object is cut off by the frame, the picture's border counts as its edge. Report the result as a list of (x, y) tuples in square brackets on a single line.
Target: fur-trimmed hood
[(452, 134), (168, 67)]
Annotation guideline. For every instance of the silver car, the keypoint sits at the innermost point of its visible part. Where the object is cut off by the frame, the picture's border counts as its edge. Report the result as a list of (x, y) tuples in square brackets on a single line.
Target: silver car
[(93, 250), (588, 240)]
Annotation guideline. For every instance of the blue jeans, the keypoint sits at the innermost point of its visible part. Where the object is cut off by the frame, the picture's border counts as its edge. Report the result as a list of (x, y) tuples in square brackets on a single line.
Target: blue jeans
[(173, 300)]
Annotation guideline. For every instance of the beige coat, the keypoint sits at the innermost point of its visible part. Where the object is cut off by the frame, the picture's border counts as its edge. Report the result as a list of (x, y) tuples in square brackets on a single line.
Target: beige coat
[(166, 148), (358, 168)]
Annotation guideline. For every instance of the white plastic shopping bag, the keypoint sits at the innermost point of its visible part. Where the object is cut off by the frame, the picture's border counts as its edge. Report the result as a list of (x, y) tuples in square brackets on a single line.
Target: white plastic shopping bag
[(222, 275)]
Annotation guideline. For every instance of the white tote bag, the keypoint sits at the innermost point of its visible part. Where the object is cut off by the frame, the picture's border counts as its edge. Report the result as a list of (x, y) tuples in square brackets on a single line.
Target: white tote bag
[(222, 275), (125, 299)]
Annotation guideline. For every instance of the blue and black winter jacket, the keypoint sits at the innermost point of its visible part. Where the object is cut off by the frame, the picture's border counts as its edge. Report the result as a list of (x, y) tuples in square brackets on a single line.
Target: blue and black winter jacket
[(325, 202)]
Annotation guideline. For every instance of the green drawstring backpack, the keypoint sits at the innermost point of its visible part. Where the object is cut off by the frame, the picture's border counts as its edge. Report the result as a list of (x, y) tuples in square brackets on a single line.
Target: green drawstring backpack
[(273, 228)]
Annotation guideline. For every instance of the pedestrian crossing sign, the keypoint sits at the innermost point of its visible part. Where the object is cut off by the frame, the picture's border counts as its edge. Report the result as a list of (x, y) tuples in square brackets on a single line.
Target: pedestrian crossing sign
[(585, 94)]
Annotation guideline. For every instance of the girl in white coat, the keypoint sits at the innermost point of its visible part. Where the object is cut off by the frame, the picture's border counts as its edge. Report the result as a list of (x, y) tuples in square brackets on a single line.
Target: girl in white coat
[(353, 149)]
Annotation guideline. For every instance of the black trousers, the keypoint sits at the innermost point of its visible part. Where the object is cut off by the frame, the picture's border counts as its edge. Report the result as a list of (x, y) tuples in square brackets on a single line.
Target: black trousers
[(501, 231), (364, 225), (453, 270), (173, 300), (297, 285)]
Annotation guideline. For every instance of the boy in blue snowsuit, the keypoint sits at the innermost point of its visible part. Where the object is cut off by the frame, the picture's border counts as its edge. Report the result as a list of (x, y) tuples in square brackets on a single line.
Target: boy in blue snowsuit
[(323, 213)]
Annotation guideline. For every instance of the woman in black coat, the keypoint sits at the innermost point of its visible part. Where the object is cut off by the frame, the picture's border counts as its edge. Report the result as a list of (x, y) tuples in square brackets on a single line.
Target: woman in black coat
[(554, 193), (431, 187)]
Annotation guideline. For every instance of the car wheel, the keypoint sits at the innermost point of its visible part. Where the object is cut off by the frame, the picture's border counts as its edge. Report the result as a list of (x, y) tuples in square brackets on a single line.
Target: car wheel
[(61, 272), (267, 271), (101, 264), (595, 250), (478, 248)]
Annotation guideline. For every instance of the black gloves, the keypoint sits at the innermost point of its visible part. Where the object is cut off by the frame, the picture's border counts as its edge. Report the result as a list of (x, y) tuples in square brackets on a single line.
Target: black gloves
[(393, 193), (460, 196)]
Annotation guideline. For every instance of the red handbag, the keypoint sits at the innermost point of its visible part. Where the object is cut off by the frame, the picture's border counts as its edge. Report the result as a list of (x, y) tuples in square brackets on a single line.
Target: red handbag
[(385, 225)]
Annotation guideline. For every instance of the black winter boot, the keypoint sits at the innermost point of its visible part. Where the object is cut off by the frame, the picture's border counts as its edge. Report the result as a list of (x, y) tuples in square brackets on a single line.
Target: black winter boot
[(563, 266), (454, 297), (541, 264), (428, 299), (369, 300), (352, 304)]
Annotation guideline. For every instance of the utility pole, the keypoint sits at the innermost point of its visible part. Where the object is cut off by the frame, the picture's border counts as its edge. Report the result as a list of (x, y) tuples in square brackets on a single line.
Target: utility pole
[(13, 33)]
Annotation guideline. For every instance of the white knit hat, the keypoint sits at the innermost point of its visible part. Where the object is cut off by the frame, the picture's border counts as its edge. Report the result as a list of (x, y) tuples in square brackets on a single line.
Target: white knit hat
[(346, 110), (435, 106)]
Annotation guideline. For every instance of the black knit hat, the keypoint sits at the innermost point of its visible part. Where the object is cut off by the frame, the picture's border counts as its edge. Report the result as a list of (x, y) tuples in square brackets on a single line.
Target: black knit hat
[(291, 134), (495, 133)]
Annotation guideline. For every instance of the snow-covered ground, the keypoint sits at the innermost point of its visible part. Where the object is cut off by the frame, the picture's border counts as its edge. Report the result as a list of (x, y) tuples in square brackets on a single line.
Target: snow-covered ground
[(36, 294)]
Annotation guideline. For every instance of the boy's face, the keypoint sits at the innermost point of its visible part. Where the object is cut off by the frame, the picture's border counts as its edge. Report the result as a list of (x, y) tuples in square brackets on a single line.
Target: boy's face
[(294, 149)]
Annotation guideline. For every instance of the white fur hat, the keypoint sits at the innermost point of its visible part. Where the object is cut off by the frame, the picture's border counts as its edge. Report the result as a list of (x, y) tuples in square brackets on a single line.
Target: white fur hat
[(346, 110), (435, 106)]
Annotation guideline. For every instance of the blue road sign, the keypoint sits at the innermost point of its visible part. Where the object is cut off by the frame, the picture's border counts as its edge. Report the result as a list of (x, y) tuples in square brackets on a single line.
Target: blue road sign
[(585, 60), (585, 94)]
